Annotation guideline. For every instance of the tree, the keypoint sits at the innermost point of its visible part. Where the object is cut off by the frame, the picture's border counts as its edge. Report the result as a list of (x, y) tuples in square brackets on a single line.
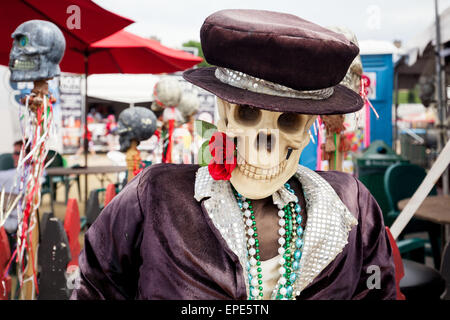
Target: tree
[(196, 44), (154, 37)]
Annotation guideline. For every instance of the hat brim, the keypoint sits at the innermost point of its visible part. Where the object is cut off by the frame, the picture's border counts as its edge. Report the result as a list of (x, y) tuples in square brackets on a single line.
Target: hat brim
[(343, 100)]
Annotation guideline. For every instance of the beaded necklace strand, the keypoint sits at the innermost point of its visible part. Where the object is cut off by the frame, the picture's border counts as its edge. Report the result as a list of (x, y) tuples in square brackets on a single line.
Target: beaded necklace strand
[(290, 241)]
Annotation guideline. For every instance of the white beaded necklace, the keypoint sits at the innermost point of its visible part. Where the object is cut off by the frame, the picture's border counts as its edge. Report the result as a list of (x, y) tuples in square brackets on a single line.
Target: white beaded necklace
[(290, 242)]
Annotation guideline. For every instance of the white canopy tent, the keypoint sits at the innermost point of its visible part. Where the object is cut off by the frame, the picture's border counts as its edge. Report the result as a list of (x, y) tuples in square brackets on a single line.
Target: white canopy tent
[(127, 88), (417, 45)]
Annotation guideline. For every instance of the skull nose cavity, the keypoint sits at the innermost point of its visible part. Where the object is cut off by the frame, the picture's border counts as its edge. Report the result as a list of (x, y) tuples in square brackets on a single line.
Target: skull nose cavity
[(266, 141), (288, 153)]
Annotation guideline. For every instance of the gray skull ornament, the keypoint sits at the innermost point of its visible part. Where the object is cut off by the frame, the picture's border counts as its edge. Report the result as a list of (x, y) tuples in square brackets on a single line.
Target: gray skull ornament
[(37, 50), (135, 123)]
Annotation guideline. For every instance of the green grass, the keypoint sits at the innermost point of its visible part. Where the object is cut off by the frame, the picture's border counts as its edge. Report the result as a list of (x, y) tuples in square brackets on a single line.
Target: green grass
[(404, 94)]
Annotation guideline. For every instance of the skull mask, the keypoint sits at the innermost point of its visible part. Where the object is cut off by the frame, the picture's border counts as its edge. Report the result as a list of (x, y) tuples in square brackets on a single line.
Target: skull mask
[(189, 105), (167, 92), (37, 49), (353, 76), (136, 123), (269, 145)]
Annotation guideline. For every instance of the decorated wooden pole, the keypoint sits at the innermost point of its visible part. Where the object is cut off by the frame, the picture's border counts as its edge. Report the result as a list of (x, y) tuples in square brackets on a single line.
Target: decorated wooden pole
[(38, 47), (334, 125), (135, 125), (133, 159), (184, 138), (167, 95)]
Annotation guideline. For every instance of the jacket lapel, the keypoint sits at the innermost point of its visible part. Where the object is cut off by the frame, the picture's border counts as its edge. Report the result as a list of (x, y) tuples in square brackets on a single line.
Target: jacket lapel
[(225, 214), (328, 225)]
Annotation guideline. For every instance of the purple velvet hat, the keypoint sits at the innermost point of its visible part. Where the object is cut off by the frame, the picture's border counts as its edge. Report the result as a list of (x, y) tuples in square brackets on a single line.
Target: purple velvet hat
[(276, 61)]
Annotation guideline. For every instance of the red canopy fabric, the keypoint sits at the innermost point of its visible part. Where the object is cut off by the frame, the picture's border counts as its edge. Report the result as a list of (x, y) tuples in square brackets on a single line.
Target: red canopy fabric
[(109, 50), (95, 22), (124, 52)]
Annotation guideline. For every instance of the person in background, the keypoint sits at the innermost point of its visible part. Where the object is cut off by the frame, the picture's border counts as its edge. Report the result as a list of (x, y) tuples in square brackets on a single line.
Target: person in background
[(17, 146), (90, 142), (111, 126), (95, 115), (8, 176)]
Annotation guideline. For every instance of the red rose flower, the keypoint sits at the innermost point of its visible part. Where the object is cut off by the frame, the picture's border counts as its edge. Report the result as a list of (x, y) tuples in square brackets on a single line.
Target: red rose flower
[(223, 159)]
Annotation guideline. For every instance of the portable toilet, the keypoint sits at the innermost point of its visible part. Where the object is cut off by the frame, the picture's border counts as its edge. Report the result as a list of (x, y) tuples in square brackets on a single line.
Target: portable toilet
[(308, 158), (377, 60)]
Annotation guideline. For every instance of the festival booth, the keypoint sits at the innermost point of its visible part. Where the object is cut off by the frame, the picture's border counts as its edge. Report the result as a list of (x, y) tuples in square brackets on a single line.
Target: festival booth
[(122, 91)]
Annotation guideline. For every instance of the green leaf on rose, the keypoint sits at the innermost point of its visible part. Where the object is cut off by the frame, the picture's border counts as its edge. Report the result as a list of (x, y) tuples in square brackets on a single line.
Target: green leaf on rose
[(204, 156), (204, 129)]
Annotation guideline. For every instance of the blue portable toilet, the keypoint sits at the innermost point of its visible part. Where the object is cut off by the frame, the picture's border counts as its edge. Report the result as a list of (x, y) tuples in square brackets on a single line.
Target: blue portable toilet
[(377, 61), (308, 158)]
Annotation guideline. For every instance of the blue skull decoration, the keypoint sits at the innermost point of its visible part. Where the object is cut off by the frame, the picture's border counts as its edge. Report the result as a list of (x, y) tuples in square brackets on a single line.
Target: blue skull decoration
[(135, 123), (37, 50)]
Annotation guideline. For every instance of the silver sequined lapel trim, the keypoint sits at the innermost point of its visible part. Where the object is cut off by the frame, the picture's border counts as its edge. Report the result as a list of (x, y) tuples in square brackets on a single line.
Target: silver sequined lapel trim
[(326, 232), (224, 212), (327, 227)]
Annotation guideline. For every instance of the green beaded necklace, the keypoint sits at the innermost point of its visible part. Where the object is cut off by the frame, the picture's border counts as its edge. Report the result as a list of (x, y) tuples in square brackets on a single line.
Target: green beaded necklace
[(290, 247)]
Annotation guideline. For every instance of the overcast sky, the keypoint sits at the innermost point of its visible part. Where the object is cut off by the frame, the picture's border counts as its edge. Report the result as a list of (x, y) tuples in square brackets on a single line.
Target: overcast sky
[(177, 21)]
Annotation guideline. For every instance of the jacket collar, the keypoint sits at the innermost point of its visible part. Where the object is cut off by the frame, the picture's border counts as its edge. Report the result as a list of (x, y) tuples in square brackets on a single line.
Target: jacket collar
[(327, 226)]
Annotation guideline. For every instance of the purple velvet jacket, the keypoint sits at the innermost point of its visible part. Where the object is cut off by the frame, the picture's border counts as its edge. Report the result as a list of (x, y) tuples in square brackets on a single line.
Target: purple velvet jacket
[(155, 241)]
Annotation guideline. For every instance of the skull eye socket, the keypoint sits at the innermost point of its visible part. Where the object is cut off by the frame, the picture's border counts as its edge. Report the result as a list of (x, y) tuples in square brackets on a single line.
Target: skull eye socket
[(22, 40), (289, 122), (247, 115)]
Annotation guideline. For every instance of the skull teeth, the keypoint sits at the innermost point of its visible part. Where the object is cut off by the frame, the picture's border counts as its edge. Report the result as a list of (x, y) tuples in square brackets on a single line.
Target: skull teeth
[(260, 173), (23, 65)]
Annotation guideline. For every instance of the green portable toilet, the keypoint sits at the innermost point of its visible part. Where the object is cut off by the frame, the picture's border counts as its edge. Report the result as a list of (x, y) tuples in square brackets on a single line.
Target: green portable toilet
[(370, 167)]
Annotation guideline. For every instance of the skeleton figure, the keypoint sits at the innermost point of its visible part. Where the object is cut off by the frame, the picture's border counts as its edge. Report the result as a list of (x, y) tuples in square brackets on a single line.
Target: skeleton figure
[(275, 230), (136, 123), (269, 145), (37, 49)]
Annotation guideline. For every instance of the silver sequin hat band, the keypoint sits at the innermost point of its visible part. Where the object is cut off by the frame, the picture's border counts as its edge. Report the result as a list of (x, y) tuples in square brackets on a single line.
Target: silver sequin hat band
[(244, 81)]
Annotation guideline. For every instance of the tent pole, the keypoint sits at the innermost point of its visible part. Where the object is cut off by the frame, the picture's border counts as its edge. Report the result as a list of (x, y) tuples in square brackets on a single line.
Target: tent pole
[(86, 142), (395, 144), (442, 104)]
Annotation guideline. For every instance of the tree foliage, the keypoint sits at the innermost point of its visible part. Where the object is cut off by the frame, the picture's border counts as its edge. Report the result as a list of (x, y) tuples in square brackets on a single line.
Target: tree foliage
[(196, 44)]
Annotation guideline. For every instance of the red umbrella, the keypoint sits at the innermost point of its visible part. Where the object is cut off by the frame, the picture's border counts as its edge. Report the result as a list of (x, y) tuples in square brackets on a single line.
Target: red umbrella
[(82, 22), (124, 52), (95, 23), (116, 52)]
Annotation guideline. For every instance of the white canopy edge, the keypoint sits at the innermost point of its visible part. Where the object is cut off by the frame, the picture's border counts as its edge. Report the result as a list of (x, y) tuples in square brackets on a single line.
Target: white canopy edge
[(127, 88), (416, 46)]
